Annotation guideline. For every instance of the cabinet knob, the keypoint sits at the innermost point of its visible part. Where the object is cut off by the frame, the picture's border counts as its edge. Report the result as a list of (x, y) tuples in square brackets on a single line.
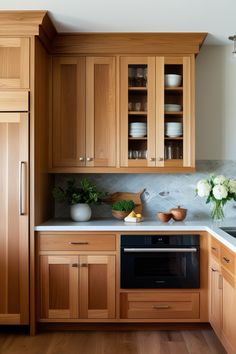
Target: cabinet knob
[(152, 158), (226, 260), (89, 159), (75, 265), (83, 265), (161, 307), (81, 158), (160, 159), (214, 270)]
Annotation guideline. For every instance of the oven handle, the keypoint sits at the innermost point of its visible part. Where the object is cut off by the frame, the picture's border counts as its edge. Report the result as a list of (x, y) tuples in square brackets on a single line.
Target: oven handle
[(159, 250)]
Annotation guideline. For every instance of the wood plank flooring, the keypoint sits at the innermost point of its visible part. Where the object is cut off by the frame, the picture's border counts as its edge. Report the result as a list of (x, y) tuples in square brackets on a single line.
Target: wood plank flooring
[(148, 342)]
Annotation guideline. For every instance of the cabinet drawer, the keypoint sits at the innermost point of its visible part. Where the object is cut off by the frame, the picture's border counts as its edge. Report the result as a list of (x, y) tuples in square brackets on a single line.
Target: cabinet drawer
[(78, 242), (215, 248), (168, 305), (227, 259)]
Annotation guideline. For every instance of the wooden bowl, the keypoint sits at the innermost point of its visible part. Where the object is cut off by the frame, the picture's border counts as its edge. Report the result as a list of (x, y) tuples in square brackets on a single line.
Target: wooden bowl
[(120, 214), (178, 214), (164, 217)]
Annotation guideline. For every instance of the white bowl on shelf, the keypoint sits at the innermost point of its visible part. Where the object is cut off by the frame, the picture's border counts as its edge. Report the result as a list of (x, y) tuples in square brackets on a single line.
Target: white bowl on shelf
[(173, 80), (138, 125), (169, 107), (138, 135)]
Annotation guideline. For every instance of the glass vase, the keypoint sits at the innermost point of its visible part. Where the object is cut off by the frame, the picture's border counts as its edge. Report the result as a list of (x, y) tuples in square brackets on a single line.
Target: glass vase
[(217, 212)]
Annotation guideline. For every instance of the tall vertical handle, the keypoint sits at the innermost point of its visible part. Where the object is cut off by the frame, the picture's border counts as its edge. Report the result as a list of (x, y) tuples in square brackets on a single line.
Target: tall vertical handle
[(22, 188)]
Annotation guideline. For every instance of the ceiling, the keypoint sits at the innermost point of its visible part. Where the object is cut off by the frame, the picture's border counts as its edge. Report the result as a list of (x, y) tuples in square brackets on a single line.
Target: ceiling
[(217, 17)]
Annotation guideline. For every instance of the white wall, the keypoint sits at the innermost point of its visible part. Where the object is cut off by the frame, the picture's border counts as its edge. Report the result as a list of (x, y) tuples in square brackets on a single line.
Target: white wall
[(216, 104)]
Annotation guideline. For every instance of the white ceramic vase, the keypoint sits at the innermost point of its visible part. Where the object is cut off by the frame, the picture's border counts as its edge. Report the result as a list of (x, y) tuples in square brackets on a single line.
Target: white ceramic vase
[(80, 212)]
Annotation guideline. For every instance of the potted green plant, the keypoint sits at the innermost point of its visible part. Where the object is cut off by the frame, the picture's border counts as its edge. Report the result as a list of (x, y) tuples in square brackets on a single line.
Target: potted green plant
[(122, 208), (79, 198)]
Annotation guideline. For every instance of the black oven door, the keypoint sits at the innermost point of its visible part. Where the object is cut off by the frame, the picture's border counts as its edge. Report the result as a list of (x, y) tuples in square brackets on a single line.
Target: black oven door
[(160, 267)]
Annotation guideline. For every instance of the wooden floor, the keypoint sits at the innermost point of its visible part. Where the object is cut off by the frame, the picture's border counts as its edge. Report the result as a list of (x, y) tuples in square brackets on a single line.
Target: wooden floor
[(148, 342)]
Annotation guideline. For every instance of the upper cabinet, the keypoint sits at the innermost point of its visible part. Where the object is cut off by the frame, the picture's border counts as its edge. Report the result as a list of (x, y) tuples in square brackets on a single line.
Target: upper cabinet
[(14, 63), (157, 117), (116, 112), (83, 128)]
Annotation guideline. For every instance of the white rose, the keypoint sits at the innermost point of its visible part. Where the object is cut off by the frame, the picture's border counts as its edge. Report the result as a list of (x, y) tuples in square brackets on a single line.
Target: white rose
[(232, 185), (219, 179), (203, 188), (220, 191)]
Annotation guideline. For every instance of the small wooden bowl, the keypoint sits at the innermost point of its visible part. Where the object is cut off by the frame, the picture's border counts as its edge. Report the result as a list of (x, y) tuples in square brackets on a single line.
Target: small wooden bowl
[(120, 214), (164, 217), (178, 214)]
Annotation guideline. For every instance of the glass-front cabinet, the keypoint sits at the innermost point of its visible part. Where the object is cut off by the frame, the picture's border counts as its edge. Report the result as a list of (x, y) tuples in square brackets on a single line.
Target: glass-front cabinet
[(157, 112)]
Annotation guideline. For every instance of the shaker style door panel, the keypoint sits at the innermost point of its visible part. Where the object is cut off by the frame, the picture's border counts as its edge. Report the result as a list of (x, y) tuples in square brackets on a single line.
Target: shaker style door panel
[(68, 118), (97, 286), (14, 63), (215, 298), (100, 111), (14, 217), (59, 277)]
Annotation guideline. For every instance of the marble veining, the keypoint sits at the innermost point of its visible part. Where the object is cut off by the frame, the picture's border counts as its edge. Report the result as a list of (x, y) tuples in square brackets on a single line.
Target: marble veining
[(162, 191)]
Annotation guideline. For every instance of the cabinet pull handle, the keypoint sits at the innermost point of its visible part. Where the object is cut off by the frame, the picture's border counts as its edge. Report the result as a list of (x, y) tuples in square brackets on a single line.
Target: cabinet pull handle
[(84, 265), (78, 243), (89, 159), (81, 158), (213, 248), (152, 158), (158, 307), (214, 270), (75, 265), (22, 188), (160, 159), (220, 282), (226, 260)]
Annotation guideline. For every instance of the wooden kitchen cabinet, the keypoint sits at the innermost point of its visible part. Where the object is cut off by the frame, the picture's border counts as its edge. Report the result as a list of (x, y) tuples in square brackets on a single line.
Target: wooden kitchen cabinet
[(14, 211), (144, 101), (83, 127), (76, 287), (223, 296), (14, 63)]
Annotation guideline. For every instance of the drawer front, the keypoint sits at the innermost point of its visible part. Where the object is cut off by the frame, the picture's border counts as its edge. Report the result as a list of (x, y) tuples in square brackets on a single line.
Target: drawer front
[(76, 242), (160, 306), (215, 248), (227, 259)]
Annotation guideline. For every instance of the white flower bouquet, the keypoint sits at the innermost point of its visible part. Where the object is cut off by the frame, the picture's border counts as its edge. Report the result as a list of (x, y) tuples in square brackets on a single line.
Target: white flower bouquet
[(217, 190)]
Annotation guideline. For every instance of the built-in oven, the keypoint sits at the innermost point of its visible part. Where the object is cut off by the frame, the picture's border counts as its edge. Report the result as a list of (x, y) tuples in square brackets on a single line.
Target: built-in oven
[(160, 261)]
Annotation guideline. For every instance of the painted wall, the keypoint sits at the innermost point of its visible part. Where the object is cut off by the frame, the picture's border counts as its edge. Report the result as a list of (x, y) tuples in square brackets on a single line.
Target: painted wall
[(216, 104)]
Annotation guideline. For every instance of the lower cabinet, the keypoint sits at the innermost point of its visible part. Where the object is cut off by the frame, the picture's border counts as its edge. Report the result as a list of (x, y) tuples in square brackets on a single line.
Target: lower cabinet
[(76, 286), (161, 305), (223, 305)]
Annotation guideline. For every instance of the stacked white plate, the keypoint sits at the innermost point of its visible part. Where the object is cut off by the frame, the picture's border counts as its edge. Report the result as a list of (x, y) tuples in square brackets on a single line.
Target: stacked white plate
[(173, 129), (138, 129), (172, 107)]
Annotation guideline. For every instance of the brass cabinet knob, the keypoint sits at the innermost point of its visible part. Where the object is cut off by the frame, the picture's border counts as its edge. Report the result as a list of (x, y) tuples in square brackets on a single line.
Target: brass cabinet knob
[(152, 158), (81, 158), (160, 159), (89, 159), (83, 265), (75, 265)]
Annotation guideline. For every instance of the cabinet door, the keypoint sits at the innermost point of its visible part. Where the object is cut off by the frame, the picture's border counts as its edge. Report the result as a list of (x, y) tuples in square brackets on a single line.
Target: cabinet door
[(68, 117), (97, 287), (215, 296), (175, 128), (14, 63), (59, 284), (14, 300), (137, 112), (229, 313), (100, 112)]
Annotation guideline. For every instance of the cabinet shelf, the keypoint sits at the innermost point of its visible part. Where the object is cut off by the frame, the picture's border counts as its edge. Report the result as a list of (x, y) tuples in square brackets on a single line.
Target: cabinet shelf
[(137, 113), (180, 88), (134, 88), (176, 138), (131, 138), (174, 113)]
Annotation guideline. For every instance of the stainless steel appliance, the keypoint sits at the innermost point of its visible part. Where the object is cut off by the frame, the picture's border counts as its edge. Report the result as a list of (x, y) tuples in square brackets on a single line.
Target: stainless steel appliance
[(160, 261)]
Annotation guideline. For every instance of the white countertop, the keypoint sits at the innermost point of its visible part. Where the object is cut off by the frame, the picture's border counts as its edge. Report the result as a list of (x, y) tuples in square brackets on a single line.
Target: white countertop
[(145, 225)]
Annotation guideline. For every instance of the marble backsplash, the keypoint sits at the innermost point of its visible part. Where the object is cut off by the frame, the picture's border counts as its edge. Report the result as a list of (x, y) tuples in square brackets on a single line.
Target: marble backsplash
[(162, 191)]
